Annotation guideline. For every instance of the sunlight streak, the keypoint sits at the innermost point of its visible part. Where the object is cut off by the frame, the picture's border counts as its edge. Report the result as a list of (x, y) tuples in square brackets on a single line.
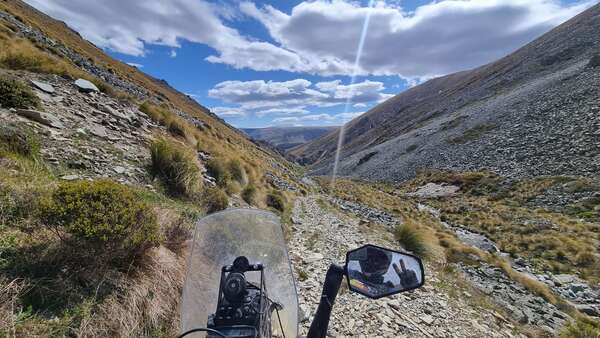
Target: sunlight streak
[(359, 52)]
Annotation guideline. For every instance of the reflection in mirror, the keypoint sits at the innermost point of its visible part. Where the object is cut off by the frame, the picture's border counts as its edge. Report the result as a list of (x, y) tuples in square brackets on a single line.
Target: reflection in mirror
[(377, 272)]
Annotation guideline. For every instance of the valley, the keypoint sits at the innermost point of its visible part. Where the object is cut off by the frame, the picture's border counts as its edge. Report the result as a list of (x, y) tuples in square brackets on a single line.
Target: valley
[(490, 175)]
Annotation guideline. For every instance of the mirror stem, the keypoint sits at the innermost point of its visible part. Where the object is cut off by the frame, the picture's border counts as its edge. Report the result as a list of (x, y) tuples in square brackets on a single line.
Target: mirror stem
[(333, 280)]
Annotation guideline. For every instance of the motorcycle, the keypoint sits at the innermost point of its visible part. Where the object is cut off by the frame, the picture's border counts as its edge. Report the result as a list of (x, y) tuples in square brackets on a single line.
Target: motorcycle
[(239, 281)]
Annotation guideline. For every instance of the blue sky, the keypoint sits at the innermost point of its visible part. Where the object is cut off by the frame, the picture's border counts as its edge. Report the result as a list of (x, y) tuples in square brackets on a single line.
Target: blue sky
[(276, 63)]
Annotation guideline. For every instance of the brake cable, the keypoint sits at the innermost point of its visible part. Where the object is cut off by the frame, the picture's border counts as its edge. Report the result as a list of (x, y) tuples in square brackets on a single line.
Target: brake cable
[(202, 330)]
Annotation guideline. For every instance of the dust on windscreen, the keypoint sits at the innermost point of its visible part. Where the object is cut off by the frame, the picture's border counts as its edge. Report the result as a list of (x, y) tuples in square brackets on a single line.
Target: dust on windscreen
[(218, 240)]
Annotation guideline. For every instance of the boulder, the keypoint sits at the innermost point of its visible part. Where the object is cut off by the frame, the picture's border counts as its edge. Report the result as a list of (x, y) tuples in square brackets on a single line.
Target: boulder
[(588, 310), (86, 86), (41, 117), (45, 87), (563, 279)]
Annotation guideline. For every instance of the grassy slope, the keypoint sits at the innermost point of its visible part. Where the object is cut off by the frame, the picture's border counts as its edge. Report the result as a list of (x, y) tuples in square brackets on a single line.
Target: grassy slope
[(221, 139), (484, 206), (43, 291)]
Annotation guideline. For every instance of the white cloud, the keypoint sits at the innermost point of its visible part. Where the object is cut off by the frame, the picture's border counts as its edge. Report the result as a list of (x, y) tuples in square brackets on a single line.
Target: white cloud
[(127, 26), (294, 96), (282, 111), (337, 119), (321, 37), (436, 39), (173, 53), (228, 112)]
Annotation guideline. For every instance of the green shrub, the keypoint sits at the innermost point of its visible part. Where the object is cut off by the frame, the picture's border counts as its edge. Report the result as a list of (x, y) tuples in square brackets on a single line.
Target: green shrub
[(176, 166), (105, 214), (249, 194), (411, 239), (236, 171), (215, 200), (216, 169), (19, 140), (276, 200), (16, 94)]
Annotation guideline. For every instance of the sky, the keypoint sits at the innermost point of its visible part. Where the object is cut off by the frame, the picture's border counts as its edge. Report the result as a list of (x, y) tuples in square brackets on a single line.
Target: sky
[(297, 63)]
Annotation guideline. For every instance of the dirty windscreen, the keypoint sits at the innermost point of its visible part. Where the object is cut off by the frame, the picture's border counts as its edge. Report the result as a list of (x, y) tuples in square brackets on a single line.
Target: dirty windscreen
[(218, 240)]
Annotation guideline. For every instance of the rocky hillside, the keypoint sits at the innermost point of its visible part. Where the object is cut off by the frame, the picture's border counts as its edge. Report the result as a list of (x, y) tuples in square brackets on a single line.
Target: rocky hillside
[(534, 112), (103, 173), (285, 138)]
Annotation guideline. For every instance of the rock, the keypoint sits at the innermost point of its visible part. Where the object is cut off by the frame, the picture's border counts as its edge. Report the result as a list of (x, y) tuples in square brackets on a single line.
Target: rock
[(97, 130), (41, 117), (312, 258), (563, 279), (427, 319), (588, 309), (43, 86), (86, 86), (70, 177), (433, 190), (119, 170)]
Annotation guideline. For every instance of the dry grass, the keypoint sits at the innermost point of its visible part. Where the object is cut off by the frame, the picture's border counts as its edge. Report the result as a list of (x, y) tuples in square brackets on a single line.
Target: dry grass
[(444, 246), (176, 165)]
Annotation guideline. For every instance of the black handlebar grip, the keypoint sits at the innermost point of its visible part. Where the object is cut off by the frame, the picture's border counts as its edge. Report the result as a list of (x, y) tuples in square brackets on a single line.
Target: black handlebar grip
[(333, 280)]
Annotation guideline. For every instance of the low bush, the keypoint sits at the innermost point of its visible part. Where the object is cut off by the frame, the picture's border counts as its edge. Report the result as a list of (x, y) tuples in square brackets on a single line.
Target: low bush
[(16, 94), (216, 169), (276, 200), (19, 140), (411, 239), (249, 194), (176, 166), (106, 215), (215, 200)]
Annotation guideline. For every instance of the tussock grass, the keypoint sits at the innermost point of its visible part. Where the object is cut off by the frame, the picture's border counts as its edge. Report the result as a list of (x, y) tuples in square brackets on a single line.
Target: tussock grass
[(175, 125), (236, 171), (216, 169), (22, 54), (276, 200), (581, 328), (249, 194), (19, 140), (176, 166), (215, 200), (16, 94), (411, 239)]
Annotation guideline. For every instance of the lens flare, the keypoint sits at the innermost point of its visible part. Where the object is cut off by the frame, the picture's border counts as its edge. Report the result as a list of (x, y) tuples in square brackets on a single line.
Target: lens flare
[(359, 52)]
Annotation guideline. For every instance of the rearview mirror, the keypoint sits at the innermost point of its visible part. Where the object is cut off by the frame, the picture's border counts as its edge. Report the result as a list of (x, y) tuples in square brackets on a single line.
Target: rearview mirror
[(379, 272)]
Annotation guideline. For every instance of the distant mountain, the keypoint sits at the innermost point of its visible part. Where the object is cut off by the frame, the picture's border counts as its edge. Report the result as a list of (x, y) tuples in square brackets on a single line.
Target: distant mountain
[(534, 112), (285, 138)]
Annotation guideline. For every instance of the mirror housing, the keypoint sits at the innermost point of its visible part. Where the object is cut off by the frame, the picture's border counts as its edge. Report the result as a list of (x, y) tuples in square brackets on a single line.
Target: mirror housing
[(378, 272)]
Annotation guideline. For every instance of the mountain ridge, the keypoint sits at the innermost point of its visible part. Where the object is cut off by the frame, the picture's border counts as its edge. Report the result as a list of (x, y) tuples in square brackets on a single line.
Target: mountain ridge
[(474, 103)]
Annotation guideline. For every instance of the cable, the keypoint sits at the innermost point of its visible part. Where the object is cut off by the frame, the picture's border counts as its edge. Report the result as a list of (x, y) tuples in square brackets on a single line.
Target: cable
[(280, 326), (203, 330)]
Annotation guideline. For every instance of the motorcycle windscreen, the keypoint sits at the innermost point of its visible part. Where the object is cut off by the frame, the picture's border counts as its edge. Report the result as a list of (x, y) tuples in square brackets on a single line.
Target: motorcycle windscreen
[(220, 238)]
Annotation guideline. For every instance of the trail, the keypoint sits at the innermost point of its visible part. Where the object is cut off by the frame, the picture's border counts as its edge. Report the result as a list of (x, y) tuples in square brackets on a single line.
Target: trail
[(322, 235)]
